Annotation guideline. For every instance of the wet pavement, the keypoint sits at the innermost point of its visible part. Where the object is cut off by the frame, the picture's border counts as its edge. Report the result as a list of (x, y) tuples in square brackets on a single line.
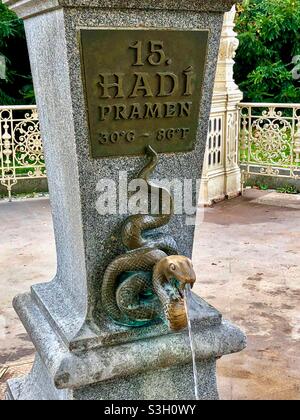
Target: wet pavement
[(27, 256), (247, 259)]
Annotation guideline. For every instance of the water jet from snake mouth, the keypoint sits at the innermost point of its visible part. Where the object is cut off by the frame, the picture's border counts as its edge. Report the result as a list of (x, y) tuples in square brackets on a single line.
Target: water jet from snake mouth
[(187, 302)]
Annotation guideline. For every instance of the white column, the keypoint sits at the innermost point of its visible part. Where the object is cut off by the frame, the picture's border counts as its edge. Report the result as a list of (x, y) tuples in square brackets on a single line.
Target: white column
[(221, 174)]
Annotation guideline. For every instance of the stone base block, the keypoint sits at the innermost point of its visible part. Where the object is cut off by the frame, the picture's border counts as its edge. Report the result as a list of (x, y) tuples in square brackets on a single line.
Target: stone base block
[(157, 368), (38, 385), (167, 384), (219, 185)]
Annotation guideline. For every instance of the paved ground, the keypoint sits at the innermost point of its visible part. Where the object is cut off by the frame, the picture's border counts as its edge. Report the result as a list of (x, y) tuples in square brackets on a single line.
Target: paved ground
[(27, 256), (247, 259)]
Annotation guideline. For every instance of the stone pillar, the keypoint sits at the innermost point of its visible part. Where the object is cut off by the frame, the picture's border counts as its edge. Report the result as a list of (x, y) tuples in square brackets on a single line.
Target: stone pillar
[(82, 353), (221, 173)]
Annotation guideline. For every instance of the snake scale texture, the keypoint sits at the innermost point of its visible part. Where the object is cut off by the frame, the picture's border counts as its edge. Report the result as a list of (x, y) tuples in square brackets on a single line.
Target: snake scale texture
[(147, 282)]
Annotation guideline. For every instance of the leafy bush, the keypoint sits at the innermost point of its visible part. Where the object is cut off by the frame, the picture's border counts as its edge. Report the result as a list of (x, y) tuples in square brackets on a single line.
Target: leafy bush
[(269, 36), (16, 88), (263, 187), (287, 189)]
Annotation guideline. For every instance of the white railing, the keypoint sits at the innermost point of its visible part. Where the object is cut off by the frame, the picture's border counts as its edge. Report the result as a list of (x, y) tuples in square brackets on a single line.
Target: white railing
[(270, 140), (21, 150), (269, 145), (221, 175)]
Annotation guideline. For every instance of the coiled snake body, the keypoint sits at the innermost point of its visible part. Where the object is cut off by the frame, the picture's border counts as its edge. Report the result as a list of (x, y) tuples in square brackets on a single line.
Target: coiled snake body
[(148, 281)]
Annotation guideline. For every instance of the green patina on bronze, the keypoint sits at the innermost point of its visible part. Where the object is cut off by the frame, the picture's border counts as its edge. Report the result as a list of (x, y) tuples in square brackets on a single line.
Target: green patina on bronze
[(147, 282), (142, 87)]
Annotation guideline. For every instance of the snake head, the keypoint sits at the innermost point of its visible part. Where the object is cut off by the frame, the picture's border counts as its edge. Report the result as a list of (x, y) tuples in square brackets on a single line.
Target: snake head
[(170, 277), (181, 269)]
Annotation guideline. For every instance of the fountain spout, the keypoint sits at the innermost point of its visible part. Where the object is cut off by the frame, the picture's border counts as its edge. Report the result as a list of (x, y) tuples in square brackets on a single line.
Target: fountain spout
[(188, 299), (171, 275)]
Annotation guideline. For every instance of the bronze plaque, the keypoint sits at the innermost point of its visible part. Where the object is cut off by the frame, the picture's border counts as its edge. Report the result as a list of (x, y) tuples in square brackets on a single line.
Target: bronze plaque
[(143, 87)]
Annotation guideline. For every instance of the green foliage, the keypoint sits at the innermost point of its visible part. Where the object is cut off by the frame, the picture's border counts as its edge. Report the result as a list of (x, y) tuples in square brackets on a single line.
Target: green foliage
[(16, 88), (263, 187), (287, 189), (269, 37)]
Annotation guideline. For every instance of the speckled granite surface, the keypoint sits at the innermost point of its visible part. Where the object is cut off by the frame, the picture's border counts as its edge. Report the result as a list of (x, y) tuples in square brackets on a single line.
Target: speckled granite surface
[(87, 242), (26, 8)]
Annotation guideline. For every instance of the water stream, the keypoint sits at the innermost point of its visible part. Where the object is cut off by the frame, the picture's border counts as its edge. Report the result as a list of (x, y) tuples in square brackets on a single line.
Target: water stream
[(188, 299)]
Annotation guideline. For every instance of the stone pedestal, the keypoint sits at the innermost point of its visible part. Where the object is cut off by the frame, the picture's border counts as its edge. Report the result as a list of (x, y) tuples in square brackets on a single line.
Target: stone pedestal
[(81, 354)]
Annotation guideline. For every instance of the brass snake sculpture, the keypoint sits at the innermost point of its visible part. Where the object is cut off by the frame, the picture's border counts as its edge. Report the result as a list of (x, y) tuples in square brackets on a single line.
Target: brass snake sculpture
[(147, 282)]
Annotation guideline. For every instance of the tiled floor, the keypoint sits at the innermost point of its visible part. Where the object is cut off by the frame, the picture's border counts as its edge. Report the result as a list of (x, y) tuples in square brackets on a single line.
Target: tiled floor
[(247, 259)]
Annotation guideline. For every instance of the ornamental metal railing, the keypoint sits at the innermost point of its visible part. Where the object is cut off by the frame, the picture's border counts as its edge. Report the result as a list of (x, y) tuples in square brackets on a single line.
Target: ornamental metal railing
[(269, 140), (269, 143), (21, 149)]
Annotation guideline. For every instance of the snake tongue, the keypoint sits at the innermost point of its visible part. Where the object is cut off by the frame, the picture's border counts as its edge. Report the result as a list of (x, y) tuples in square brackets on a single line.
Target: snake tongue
[(181, 293)]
